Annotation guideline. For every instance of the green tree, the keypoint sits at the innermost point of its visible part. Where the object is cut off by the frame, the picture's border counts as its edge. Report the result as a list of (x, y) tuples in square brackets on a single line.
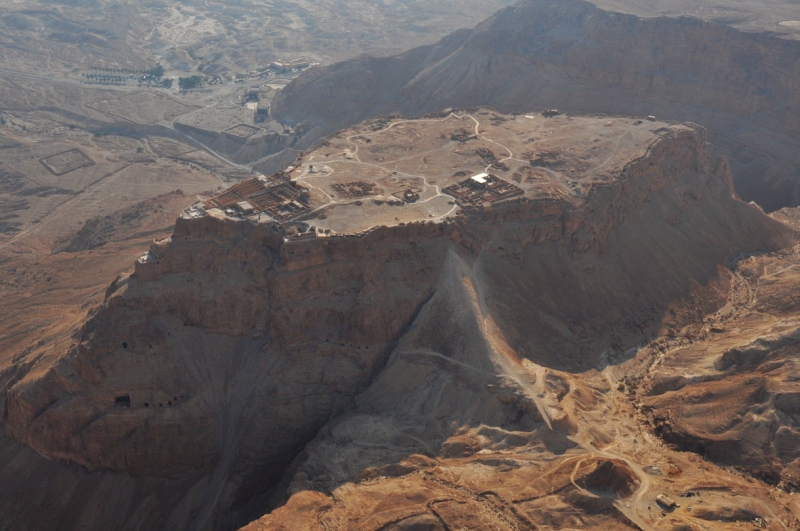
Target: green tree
[(187, 83), (156, 71)]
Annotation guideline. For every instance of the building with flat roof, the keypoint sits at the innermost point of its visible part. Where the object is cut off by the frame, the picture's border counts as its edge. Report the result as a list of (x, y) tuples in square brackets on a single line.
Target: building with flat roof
[(481, 179)]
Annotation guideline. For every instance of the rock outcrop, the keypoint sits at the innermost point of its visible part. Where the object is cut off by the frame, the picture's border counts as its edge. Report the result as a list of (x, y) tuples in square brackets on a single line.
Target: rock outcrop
[(732, 396), (221, 359)]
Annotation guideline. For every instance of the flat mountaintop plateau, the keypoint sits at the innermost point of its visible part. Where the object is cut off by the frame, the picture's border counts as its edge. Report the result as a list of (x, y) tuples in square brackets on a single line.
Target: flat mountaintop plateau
[(736, 76), (420, 324), (535, 274)]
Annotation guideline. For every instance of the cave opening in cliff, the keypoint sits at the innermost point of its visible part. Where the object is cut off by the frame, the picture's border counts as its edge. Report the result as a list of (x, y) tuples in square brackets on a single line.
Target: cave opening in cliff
[(123, 401)]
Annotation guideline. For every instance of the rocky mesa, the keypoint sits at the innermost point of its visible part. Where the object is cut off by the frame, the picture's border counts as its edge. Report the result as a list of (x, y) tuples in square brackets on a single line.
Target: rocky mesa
[(575, 56), (411, 290)]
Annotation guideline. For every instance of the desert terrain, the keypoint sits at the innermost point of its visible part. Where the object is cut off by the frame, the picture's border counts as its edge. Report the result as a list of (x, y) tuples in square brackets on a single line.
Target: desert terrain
[(735, 76), (214, 37), (536, 264), (384, 266)]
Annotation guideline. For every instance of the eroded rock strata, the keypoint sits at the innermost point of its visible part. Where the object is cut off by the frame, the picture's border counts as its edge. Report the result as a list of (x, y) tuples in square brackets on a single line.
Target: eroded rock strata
[(220, 359), (732, 394)]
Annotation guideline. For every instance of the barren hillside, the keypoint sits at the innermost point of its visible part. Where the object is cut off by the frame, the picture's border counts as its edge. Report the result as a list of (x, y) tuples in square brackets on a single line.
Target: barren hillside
[(248, 360), (235, 36), (573, 56), (509, 280)]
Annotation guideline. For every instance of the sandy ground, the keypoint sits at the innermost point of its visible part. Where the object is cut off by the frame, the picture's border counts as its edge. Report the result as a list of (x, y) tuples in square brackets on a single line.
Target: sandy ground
[(552, 157)]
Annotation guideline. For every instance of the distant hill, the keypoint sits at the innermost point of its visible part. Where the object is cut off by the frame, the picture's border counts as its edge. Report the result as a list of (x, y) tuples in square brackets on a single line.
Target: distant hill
[(581, 59)]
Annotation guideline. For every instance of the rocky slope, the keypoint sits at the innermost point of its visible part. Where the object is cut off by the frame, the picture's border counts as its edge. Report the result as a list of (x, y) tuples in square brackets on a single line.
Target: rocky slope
[(732, 394), (213, 366), (459, 430), (579, 58)]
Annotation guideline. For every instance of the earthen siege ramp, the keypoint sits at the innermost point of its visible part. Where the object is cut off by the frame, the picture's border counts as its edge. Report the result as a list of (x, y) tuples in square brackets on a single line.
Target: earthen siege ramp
[(393, 171)]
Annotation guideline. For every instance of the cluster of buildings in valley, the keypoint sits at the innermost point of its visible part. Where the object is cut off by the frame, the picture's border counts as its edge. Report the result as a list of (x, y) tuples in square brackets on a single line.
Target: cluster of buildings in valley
[(279, 68), (295, 65), (257, 99)]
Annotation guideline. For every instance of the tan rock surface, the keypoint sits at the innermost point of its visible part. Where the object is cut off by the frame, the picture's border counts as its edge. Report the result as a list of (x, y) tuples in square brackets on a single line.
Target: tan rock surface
[(731, 395), (44, 298), (239, 350)]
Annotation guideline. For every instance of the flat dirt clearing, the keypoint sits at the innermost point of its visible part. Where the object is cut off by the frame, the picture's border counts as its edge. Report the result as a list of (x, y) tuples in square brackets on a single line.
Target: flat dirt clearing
[(68, 161), (242, 131), (6, 142), (357, 178), (142, 107)]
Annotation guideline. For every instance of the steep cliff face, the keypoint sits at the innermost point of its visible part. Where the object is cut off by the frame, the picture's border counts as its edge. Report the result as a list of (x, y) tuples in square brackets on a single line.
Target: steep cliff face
[(227, 359), (220, 359), (478, 419), (578, 58)]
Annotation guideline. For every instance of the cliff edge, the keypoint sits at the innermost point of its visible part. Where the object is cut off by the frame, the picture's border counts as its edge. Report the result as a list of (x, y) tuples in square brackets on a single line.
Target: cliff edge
[(516, 246), (572, 55)]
